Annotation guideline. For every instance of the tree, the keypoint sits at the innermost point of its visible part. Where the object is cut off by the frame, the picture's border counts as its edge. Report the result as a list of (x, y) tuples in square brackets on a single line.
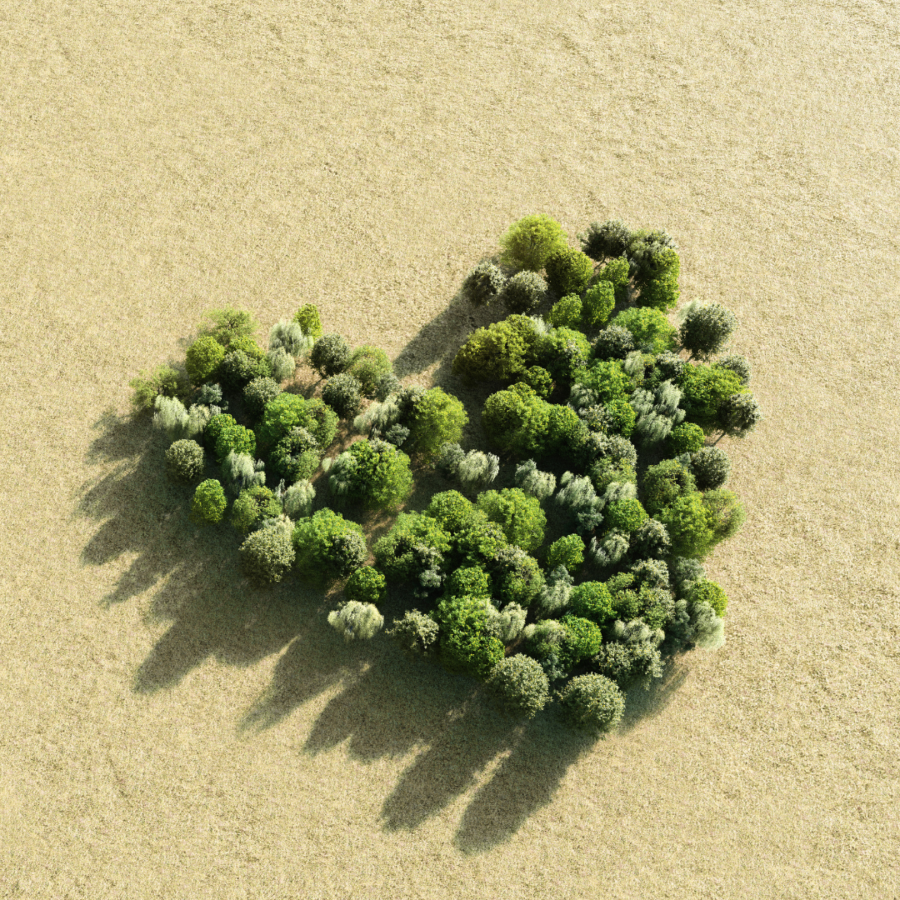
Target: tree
[(374, 473), (592, 600), (599, 302), (519, 686), (568, 271), (705, 328), (592, 703), (330, 355), (650, 329), (710, 467), (524, 292), (688, 525), (268, 554), (307, 317), (520, 516), (685, 438), (566, 313), (705, 591), (607, 239), (438, 418), (739, 415), (568, 551), (483, 284), (228, 324), (203, 359), (368, 365), (705, 393), (343, 393), (416, 633), (184, 460), (530, 241), (253, 506), (208, 505), (499, 352), (356, 621), (327, 545)]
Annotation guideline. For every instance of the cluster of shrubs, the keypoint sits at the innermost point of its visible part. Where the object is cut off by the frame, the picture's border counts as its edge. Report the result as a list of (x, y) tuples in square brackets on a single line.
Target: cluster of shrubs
[(564, 561)]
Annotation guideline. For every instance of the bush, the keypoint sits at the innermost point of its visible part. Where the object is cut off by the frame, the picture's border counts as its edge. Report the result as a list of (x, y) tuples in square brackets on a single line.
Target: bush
[(208, 505), (705, 591), (369, 365), (609, 239), (533, 482), (705, 393), (483, 284), (688, 525), (450, 510), (651, 540), (464, 644), (568, 271), (242, 472), (298, 500), (592, 703), (725, 513), (564, 352), (469, 581), (524, 292), (499, 352), (438, 418), (737, 364), (416, 633), (307, 317), (215, 426), (705, 328), (343, 393), (328, 545), (386, 385), (663, 483), (258, 393), (163, 381), (544, 641), (228, 325), (415, 545), (708, 628), (479, 540), (281, 364), (289, 411), (373, 473), (237, 439), (599, 302), (568, 551), (530, 241), (520, 516), (539, 380), (660, 293), (476, 470), (519, 686), (616, 272), (296, 456), (330, 355), (632, 656), (203, 359), (650, 329), (171, 417), (252, 506), (614, 342), (710, 467), (356, 621), (592, 600), (578, 498), (607, 379), (238, 368), (268, 554), (651, 254), (566, 313), (625, 516), (290, 337), (739, 415), (685, 438), (245, 344), (184, 461), (582, 641)]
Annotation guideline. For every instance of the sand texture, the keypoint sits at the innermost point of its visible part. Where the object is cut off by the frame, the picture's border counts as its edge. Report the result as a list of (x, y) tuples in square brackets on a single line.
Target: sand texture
[(166, 731)]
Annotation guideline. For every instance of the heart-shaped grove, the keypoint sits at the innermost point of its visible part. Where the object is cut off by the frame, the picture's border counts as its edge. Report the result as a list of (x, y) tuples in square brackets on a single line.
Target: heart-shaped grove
[(580, 570)]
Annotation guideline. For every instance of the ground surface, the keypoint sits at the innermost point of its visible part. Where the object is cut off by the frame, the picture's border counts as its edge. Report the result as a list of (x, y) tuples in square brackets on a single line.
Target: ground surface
[(165, 733)]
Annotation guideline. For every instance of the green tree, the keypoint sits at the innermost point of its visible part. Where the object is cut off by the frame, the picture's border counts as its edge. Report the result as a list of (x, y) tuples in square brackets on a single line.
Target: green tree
[(568, 271), (651, 330), (530, 241), (208, 505), (203, 359), (438, 418), (519, 686), (593, 703), (520, 516)]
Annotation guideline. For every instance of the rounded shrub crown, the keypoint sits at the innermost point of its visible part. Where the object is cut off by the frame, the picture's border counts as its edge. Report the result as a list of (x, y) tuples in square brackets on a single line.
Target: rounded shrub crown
[(710, 467), (330, 354), (706, 328), (568, 271), (343, 393), (369, 365), (592, 702), (519, 686), (483, 284), (609, 238), (208, 505), (184, 460), (203, 359), (307, 317), (530, 240), (524, 292), (685, 438), (268, 554)]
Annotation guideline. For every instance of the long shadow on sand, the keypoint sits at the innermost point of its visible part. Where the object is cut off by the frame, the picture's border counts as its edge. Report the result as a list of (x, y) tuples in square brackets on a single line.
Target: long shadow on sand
[(384, 704)]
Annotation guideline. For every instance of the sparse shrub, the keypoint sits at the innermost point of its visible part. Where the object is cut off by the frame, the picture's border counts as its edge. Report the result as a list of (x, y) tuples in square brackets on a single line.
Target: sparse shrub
[(356, 621), (705, 328), (685, 438), (599, 302), (710, 467), (439, 418), (524, 292), (499, 352), (252, 506), (477, 470), (483, 284), (368, 365), (307, 317), (374, 473), (241, 472), (162, 381), (184, 460), (330, 355), (737, 364), (343, 393), (520, 516), (568, 551), (258, 393), (568, 271), (592, 703), (607, 239), (739, 415), (268, 553), (705, 591), (532, 481), (298, 500), (208, 505), (592, 600), (290, 337), (650, 329), (203, 359), (281, 364), (519, 686), (566, 313), (416, 633), (328, 545), (539, 380), (228, 325), (530, 241)]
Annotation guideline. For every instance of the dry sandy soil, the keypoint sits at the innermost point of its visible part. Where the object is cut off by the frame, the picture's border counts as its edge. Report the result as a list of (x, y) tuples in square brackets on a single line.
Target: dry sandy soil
[(168, 733)]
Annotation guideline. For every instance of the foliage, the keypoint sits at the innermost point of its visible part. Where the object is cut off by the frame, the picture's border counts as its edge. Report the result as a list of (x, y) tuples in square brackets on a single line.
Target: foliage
[(613, 342), (710, 467), (543, 641), (583, 640), (330, 355), (356, 621), (625, 516), (328, 545), (470, 581), (705, 392), (307, 317), (607, 379), (688, 525), (599, 302), (530, 241), (566, 313), (289, 411), (555, 594), (532, 481), (651, 540), (592, 600), (438, 418), (483, 284), (374, 473), (184, 460), (616, 272), (268, 554), (343, 393), (203, 359), (228, 325), (281, 364), (298, 500), (413, 549), (632, 655), (737, 364), (368, 365), (579, 500), (416, 633), (568, 551), (685, 438), (663, 483), (660, 293), (650, 329), (519, 686), (708, 628), (739, 415), (609, 550), (464, 644), (705, 591), (252, 506), (290, 337), (258, 393), (234, 438), (568, 271), (171, 417), (656, 412), (386, 385), (725, 513), (705, 328), (499, 352), (607, 239), (238, 368), (520, 516), (524, 292), (208, 505), (162, 381), (563, 352), (593, 703), (539, 380), (450, 509)]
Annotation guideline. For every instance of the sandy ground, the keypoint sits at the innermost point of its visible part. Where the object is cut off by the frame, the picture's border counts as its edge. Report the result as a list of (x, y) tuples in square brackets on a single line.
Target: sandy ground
[(168, 733)]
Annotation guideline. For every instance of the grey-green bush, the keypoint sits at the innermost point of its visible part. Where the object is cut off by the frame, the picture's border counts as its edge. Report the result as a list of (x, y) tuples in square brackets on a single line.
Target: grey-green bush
[(579, 500), (705, 328), (609, 550), (483, 284), (534, 482), (524, 292), (171, 418), (268, 554), (613, 342), (298, 500), (184, 460), (740, 415), (282, 364), (519, 686), (708, 628), (553, 600), (343, 393), (684, 573), (386, 385), (241, 471), (592, 702), (258, 393), (477, 470), (291, 337), (356, 621), (149, 385), (607, 239), (416, 633), (238, 368), (710, 467), (651, 540), (737, 364), (330, 355)]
